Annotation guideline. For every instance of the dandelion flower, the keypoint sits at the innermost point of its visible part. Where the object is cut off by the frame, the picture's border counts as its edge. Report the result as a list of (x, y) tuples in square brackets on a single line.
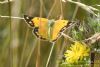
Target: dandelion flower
[(77, 52)]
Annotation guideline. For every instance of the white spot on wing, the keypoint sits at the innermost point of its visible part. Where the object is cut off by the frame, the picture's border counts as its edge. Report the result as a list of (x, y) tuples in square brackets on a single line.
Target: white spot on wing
[(27, 17), (30, 22)]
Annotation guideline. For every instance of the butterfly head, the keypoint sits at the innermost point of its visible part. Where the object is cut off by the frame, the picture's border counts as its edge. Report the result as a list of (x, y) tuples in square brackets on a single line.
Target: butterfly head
[(28, 20)]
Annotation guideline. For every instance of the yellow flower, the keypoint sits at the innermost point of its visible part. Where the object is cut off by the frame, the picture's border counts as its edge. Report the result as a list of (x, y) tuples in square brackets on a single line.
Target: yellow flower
[(77, 52)]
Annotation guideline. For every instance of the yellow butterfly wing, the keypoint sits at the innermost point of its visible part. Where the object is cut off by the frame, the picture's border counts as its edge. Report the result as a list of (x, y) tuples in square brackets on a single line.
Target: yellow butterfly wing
[(42, 24), (58, 26), (41, 28), (38, 21)]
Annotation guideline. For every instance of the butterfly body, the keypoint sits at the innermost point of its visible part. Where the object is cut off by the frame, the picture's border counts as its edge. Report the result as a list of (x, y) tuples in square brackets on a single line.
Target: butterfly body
[(46, 29)]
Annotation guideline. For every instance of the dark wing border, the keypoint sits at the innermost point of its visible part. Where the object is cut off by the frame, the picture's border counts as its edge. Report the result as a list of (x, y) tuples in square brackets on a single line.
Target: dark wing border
[(29, 21), (35, 31), (63, 29)]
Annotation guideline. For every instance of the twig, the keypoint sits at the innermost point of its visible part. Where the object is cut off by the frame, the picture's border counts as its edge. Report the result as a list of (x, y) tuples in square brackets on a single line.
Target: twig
[(50, 54), (10, 30), (96, 5), (11, 17), (52, 8), (6, 1), (75, 11), (38, 53), (66, 36), (93, 38), (71, 25), (61, 8), (89, 9)]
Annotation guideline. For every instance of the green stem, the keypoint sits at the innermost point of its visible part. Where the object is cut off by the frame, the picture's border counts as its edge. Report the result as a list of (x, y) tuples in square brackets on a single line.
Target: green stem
[(50, 54)]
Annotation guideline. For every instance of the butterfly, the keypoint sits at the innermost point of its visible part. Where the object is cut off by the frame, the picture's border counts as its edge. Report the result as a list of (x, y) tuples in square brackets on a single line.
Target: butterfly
[(46, 29)]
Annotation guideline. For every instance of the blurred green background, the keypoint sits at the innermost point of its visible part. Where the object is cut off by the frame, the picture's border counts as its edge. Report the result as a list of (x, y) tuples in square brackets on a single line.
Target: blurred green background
[(19, 47)]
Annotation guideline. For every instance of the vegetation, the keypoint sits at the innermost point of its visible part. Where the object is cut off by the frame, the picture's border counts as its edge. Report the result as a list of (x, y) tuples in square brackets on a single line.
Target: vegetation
[(20, 48)]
